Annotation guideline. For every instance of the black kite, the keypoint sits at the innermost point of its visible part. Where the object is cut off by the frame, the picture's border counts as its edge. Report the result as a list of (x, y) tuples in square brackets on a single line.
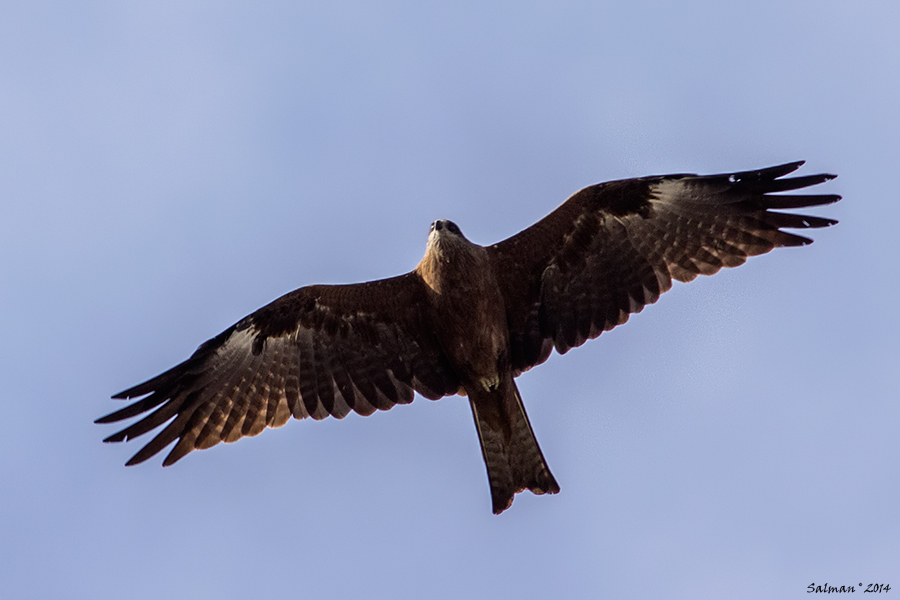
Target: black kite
[(469, 319)]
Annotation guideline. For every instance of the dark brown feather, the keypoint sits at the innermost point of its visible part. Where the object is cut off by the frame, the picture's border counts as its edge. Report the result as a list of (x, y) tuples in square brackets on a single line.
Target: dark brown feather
[(613, 248), (469, 319), (510, 450), (316, 352)]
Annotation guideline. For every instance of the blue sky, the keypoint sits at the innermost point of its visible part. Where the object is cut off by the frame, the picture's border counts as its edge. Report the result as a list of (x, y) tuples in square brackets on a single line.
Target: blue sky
[(166, 168)]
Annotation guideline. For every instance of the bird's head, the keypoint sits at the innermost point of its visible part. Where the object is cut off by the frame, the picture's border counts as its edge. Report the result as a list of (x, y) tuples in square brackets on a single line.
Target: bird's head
[(446, 233), (443, 227), (446, 243)]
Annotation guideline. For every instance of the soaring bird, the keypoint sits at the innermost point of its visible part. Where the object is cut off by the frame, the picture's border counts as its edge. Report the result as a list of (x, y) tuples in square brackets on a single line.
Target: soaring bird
[(469, 319)]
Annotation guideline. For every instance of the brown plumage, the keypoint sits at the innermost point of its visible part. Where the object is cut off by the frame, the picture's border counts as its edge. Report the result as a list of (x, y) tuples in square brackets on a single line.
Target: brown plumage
[(469, 319)]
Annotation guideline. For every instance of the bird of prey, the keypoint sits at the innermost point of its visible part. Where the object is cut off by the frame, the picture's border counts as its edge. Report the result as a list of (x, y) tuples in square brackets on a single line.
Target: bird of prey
[(469, 319)]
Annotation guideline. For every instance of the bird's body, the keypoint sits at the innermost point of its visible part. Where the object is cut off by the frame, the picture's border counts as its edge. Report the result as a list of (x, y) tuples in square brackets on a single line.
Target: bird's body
[(466, 300), (469, 319), (464, 296)]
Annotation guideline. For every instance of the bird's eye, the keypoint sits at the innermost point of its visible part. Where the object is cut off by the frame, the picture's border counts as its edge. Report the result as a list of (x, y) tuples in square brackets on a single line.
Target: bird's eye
[(453, 228)]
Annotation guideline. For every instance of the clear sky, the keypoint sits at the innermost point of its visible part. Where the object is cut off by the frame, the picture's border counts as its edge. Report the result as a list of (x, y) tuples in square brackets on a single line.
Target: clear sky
[(168, 167)]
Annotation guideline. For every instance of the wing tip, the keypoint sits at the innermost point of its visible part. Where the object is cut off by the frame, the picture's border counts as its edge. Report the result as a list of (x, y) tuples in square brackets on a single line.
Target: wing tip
[(114, 438), (796, 241), (776, 171), (793, 166), (177, 453), (779, 171), (135, 460), (142, 389), (145, 453)]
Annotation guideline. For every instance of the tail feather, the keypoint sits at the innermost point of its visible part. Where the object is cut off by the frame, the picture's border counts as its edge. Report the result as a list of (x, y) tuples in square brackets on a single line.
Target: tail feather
[(511, 453)]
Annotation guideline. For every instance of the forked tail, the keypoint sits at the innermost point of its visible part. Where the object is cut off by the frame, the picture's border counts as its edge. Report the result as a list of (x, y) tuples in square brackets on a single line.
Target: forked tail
[(511, 452)]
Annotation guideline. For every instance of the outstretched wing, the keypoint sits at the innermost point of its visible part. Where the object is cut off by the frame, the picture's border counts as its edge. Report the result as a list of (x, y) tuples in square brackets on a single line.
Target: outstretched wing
[(317, 351), (613, 248)]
